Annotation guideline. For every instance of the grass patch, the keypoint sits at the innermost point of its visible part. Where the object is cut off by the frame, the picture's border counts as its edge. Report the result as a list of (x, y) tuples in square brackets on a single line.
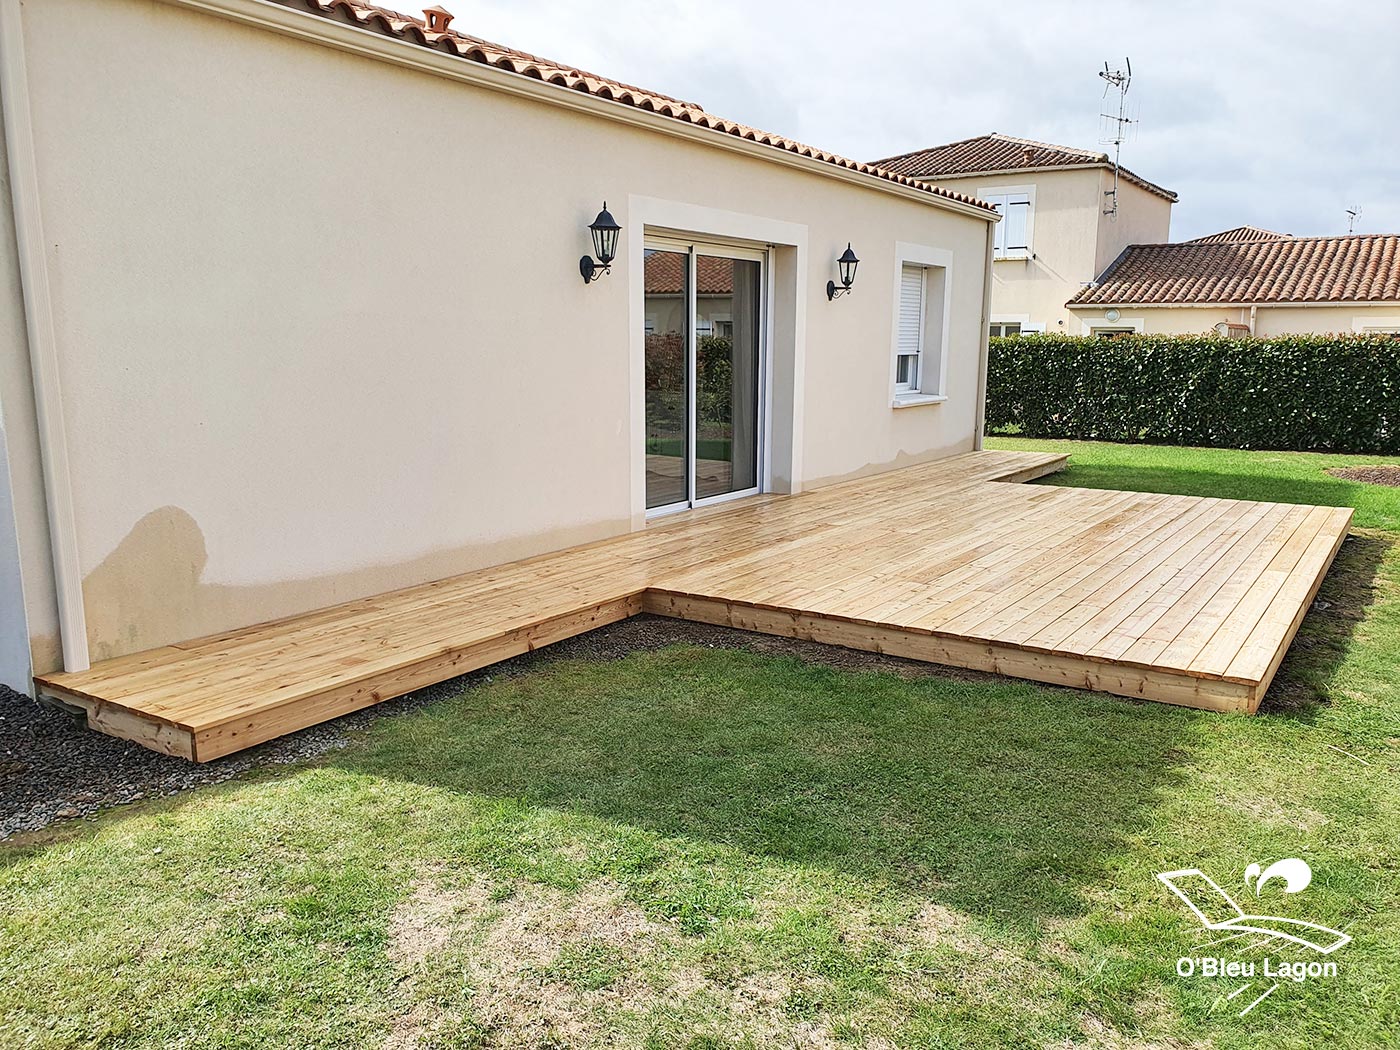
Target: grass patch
[(1278, 477), (710, 847)]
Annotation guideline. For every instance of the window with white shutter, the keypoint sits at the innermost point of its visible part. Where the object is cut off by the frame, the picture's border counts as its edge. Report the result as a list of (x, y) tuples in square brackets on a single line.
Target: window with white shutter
[(920, 333), (909, 345), (1012, 236)]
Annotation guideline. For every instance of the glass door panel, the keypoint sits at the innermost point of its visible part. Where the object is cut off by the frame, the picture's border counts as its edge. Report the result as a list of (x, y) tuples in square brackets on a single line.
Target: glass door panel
[(668, 356), (728, 318)]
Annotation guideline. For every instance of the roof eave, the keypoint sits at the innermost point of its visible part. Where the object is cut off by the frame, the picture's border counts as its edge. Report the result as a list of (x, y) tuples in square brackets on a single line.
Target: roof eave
[(368, 43), (1233, 304), (1136, 180)]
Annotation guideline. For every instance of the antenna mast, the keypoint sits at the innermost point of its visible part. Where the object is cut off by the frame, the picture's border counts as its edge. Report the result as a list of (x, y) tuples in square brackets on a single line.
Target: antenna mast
[(1352, 215), (1116, 127)]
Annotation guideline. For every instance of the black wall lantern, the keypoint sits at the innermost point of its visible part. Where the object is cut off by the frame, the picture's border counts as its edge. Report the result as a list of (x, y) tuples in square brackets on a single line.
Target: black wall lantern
[(847, 264), (605, 230)]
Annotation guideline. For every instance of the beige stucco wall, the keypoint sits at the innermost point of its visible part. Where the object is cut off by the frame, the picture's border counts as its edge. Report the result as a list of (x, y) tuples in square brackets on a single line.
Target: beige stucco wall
[(1158, 320), (1065, 223), (1072, 241), (322, 332), (1283, 320), (1269, 320), (1142, 218)]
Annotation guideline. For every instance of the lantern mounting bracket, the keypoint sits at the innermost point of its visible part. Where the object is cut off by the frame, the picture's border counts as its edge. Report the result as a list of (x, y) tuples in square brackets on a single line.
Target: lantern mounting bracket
[(591, 270)]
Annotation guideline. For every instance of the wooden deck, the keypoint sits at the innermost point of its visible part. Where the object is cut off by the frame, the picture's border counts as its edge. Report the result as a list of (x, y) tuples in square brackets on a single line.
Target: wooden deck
[(1181, 599)]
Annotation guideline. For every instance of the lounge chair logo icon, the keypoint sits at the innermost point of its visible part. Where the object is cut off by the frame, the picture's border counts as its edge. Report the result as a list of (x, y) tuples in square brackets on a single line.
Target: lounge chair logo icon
[(1225, 922)]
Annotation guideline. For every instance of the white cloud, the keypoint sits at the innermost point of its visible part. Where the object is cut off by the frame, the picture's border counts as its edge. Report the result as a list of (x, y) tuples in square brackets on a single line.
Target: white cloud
[(1278, 114)]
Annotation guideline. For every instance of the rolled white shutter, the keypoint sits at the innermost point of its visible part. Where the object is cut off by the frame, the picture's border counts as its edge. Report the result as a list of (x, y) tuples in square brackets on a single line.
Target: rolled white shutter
[(911, 310)]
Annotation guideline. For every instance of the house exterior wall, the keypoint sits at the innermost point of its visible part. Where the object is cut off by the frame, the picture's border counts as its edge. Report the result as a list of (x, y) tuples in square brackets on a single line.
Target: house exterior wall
[(29, 615), (1069, 237), (1268, 320), (1280, 320), (322, 334), (1143, 218)]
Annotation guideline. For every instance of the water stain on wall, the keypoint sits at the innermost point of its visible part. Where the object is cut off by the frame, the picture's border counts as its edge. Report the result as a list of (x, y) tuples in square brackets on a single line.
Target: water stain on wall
[(150, 591), (45, 651), (904, 459)]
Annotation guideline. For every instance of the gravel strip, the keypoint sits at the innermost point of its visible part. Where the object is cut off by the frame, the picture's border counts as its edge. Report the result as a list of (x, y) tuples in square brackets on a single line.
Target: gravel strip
[(52, 767)]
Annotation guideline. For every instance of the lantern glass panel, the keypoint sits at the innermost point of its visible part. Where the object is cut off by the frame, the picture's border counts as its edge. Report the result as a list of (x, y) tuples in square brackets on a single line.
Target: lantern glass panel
[(605, 240), (848, 263), (605, 230)]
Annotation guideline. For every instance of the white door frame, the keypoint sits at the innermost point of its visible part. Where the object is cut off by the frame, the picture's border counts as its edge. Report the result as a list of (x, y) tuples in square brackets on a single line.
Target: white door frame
[(654, 216), (693, 248)]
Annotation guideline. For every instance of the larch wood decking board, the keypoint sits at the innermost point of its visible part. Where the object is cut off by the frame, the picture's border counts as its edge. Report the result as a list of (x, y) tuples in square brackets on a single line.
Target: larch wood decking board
[(1182, 599)]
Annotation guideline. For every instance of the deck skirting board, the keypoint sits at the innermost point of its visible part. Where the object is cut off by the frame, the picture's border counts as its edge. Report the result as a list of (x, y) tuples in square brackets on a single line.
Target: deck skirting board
[(1077, 672)]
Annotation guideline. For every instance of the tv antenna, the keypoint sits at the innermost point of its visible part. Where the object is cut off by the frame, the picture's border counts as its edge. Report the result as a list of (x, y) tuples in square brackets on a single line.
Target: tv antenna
[(1116, 126), (1353, 214)]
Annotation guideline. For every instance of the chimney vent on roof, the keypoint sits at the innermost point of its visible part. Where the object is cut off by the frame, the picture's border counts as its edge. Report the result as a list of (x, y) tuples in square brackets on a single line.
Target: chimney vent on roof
[(1028, 152), (437, 19)]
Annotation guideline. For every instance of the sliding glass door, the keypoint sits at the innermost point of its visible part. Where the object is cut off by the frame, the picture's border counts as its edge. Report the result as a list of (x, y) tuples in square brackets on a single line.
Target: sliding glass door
[(705, 326)]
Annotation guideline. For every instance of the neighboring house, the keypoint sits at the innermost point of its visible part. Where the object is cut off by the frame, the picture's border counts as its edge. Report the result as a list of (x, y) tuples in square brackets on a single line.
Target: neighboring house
[(1248, 281), (1065, 219), (1240, 233), (294, 313)]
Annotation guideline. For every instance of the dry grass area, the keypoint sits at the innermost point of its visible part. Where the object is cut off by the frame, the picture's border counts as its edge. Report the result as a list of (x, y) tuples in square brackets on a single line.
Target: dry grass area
[(1380, 474)]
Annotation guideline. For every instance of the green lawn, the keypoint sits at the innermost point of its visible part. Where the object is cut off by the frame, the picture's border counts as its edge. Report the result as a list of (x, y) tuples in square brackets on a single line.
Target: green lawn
[(708, 847), (1283, 477)]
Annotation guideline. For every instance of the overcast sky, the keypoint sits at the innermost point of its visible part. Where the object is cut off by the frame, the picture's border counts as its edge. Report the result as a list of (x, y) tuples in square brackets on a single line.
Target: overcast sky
[(1279, 114)]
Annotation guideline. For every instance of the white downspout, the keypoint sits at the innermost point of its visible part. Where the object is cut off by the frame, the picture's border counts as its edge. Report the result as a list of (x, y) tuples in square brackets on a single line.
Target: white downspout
[(1254, 319), (43, 350), (981, 422)]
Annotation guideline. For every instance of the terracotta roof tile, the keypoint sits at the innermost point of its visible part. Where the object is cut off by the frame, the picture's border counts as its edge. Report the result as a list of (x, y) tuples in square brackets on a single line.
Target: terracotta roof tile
[(995, 153), (1360, 268), (1240, 233), (414, 30), (664, 271)]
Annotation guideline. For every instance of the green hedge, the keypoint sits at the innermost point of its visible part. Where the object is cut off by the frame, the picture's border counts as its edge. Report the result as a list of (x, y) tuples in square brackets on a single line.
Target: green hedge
[(1307, 392)]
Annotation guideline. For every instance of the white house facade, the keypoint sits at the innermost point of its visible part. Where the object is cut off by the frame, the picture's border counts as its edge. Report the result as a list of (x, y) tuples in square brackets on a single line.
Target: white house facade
[(296, 315)]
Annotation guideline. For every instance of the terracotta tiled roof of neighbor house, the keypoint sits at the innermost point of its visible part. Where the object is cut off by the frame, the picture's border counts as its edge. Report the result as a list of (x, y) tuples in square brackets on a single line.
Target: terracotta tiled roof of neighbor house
[(714, 275), (433, 31), (996, 153), (1240, 233), (1357, 268)]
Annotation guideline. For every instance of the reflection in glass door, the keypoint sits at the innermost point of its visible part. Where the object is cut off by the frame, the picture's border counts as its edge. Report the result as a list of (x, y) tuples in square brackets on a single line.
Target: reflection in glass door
[(704, 338), (667, 377), (726, 375)]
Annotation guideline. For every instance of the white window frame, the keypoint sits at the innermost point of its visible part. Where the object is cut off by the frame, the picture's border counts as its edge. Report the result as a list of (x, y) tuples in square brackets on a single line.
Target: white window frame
[(989, 193), (1028, 327), (1375, 325), (932, 379), (1137, 324)]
